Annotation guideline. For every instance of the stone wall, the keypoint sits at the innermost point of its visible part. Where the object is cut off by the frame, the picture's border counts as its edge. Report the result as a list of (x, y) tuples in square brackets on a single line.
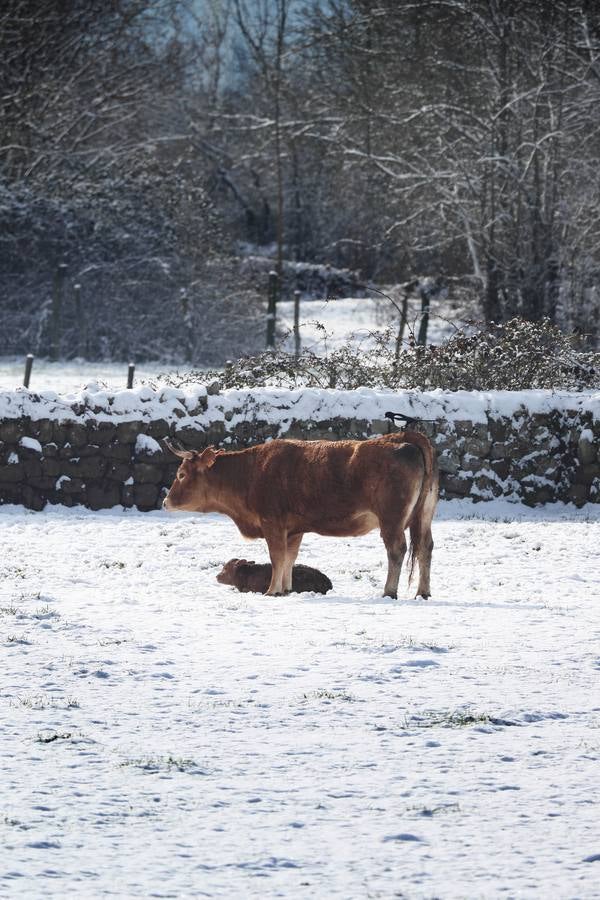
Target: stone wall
[(106, 460)]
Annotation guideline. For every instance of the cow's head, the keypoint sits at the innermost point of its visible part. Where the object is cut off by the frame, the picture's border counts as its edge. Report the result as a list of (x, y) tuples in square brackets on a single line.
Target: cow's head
[(191, 489)]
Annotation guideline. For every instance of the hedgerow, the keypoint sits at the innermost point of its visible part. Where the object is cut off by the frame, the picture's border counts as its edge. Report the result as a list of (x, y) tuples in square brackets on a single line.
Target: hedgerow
[(513, 355)]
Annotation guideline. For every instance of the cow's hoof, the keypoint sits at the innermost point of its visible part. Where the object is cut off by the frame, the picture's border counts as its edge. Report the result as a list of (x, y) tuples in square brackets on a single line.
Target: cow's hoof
[(392, 594), (422, 596)]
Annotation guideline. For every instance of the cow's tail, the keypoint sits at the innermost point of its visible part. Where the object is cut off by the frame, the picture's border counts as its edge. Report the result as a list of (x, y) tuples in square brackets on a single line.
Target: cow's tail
[(420, 521)]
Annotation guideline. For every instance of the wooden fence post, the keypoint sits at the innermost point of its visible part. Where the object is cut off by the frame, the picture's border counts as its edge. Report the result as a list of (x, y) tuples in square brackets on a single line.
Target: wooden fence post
[(81, 324), (425, 299), (57, 299), (187, 315), (130, 374), (296, 324), (401, 326), (28, 368), (272, 308)]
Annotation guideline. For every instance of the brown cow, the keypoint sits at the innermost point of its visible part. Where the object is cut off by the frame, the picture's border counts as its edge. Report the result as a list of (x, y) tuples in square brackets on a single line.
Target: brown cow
[(283, 489)]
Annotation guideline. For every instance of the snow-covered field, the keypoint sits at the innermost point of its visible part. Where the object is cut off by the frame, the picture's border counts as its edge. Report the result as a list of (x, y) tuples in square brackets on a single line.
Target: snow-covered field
[(163, 735), (66, 376), (326, 325)]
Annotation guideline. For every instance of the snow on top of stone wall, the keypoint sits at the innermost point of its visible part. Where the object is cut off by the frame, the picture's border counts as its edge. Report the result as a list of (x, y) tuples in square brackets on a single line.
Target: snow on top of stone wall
[(194, 406), (146, 444)]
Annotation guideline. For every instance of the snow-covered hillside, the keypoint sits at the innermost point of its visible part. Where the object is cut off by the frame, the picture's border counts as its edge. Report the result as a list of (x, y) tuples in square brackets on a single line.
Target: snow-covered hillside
[(164, 735)]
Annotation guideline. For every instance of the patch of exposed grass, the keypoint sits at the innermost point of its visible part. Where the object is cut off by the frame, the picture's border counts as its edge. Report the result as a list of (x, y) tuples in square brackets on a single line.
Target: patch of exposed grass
[(428, 812), (360, 574), (46, 612), (10, 610), (29, 596), (48, 737), (328, 695), (12, 572), (402, 642), (17, 639), (447, 719), (591, 751), (162, 764), (43, 701), (11, 822), (221, 704), (407, 642)]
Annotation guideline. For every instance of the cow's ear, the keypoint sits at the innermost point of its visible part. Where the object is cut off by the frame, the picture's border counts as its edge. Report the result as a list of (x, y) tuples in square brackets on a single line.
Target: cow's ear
[(207, 458)]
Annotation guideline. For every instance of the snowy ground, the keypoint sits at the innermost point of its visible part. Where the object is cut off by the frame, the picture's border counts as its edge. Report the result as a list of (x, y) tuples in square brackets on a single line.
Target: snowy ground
[(67, 376), (163, 735), (326, 325)]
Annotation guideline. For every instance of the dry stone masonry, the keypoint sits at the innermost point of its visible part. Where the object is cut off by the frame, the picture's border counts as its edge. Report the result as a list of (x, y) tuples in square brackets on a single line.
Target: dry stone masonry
[(104, 449)]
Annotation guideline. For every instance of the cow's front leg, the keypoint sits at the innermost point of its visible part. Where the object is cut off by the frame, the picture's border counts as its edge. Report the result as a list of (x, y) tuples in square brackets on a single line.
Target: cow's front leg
[(277, 543), (293, 546)]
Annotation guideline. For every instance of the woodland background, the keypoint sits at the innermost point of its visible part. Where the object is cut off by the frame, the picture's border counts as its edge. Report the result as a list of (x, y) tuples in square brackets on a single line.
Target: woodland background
[(150, 149)]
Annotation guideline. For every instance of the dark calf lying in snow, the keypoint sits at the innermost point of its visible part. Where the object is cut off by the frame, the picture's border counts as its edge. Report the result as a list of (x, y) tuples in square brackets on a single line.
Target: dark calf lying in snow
[(246, 576)]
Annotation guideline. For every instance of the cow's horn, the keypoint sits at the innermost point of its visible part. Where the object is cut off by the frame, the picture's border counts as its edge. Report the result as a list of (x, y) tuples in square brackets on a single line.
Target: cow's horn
[(179, 451)]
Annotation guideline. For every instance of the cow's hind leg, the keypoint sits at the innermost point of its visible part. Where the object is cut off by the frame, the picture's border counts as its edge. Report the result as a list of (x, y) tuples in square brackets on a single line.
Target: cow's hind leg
[(277, 543), (422, 542), (423, 554), (395, 544), (293, 546)]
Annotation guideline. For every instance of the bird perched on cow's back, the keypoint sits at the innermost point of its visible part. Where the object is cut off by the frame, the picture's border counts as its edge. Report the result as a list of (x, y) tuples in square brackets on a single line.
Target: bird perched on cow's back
[(246, 575)]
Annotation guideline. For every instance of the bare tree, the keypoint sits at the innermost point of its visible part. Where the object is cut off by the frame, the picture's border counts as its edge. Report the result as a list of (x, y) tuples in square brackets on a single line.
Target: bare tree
[(477, 141), (264, 27), (99, 172)]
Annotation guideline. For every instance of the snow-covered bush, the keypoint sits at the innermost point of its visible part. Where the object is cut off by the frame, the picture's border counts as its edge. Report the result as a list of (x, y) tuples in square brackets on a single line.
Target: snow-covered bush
[(515, 355)]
